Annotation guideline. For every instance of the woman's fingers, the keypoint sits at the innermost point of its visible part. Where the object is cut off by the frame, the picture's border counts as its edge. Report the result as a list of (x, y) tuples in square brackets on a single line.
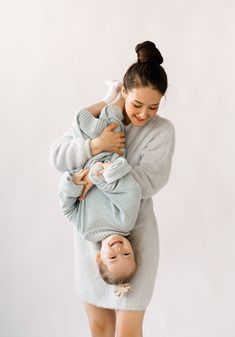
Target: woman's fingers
[(111, 141), (81, 182), (85, 191), (83, 172), (87, 187), (78, 177), (111, 126)]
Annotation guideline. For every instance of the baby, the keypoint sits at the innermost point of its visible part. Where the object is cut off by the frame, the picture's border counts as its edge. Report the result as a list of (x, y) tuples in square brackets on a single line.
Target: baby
[(106, 216), (109, 212)]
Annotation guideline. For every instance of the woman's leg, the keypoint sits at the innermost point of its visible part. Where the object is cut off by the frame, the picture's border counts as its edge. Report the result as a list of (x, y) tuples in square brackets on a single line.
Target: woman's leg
[(129, 323), (101, 321)]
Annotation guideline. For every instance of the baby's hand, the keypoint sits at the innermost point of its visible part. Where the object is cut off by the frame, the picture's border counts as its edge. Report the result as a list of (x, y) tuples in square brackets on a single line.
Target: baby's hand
[(105, 166), (78, 177)]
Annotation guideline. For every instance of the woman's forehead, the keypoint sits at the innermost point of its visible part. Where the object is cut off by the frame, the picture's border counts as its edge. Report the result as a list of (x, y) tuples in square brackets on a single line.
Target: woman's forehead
[(145, 95)]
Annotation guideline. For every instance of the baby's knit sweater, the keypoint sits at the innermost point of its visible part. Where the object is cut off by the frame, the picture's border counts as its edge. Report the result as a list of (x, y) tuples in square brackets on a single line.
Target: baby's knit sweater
[(112, 205), (108, 208)]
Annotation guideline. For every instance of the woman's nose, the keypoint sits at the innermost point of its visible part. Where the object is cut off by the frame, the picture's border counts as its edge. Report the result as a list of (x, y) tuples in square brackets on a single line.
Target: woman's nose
[(143, 113)]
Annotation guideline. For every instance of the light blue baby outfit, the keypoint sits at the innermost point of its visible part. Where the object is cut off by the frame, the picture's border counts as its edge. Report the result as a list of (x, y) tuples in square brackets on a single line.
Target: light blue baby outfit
[(92, 127), (112, 205)]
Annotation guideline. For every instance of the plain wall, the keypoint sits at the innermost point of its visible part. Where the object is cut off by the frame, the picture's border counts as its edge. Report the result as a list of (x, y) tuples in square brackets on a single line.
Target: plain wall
[(55, 57)]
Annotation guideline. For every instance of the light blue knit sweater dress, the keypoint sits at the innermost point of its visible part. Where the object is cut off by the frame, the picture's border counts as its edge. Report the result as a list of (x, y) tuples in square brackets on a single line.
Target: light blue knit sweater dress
[(149, 151)]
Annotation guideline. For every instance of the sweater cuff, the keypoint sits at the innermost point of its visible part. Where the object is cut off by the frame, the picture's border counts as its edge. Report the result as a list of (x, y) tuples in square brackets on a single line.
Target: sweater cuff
[(94, 178), (117, 170), (87, 148), (67, 185)]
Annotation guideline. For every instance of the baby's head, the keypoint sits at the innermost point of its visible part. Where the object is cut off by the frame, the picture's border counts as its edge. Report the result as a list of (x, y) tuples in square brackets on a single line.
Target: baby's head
[(116, 260)]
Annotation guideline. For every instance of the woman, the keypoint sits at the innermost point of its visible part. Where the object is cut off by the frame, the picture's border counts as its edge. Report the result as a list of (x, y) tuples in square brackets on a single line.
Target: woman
[(149, 141)]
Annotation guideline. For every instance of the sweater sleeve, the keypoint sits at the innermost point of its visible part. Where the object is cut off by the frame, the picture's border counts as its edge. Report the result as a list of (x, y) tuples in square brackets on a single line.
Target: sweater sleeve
[(71, 150), (68, 196), (153, 169), (125, 197)]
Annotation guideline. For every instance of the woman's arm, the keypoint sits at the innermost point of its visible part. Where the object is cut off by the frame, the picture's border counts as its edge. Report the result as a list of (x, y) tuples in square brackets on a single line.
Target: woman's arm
[(69, 152), (72, 150), (153, 169)]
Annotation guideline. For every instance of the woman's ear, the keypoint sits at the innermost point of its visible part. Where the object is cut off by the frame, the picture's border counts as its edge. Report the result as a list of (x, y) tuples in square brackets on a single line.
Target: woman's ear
[(123, 92), (98, 257)]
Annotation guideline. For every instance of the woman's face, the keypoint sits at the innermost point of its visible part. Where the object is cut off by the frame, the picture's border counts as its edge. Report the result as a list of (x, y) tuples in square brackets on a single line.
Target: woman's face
[(141, 104)]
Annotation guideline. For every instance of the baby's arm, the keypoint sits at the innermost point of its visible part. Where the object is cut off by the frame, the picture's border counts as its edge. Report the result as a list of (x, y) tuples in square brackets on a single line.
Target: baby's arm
[(71, 185), (123, 194), (125, 201), (111, 171)]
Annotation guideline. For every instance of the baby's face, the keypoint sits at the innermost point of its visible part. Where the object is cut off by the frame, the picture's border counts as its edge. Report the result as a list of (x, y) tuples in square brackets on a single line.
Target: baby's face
[(117, 254)]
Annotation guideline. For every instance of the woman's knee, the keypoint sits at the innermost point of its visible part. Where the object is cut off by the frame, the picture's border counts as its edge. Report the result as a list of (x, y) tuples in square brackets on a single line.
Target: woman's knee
[(99, 329), (102, 328), (129, 323)]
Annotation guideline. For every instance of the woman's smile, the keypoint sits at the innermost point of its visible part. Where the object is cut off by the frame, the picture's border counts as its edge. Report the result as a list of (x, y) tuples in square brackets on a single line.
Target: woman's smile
[(139, 118)]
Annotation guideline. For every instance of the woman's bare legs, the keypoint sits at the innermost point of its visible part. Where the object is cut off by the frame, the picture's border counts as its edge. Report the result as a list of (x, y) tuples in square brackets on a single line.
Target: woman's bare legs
[(101, 321), (104, 322), (129, 323)]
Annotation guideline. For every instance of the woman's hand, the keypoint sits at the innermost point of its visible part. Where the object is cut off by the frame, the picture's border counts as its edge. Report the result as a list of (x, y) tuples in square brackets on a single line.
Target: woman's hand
[(78, 177), (87, 186), (108, 141), (81, 178)]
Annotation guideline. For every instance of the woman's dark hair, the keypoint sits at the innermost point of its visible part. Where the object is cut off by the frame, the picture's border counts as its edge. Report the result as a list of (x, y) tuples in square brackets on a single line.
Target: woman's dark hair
[(147, 71)]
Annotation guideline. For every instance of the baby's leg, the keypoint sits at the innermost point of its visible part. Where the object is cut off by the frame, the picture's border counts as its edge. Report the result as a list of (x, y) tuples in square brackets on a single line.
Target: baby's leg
[(89, 124), (112, 93), (112, 114)]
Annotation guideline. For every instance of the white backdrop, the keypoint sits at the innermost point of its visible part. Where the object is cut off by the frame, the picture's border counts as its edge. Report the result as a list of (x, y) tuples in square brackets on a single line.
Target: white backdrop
[(55, 57)]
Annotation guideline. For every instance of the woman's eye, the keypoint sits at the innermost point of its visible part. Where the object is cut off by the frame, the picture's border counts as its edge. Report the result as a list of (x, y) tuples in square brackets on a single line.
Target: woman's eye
[(127, 254), (112, 257), (137, 106), (153, 108)]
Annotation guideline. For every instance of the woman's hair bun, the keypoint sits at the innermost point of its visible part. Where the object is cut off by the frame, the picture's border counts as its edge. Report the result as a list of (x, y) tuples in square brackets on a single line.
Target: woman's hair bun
[(147, 52)]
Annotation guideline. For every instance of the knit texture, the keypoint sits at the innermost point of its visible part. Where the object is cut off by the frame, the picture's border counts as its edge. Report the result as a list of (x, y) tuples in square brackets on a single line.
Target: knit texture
[(108, 208), (149, 152), (92, 127)]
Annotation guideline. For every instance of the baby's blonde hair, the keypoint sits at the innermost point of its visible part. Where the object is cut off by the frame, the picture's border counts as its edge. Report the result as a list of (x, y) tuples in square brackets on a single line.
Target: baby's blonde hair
[(112, 279), (122, 285)]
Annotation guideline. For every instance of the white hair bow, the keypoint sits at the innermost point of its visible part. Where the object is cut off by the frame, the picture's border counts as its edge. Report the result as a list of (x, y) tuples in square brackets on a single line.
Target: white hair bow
[(122, 289)]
